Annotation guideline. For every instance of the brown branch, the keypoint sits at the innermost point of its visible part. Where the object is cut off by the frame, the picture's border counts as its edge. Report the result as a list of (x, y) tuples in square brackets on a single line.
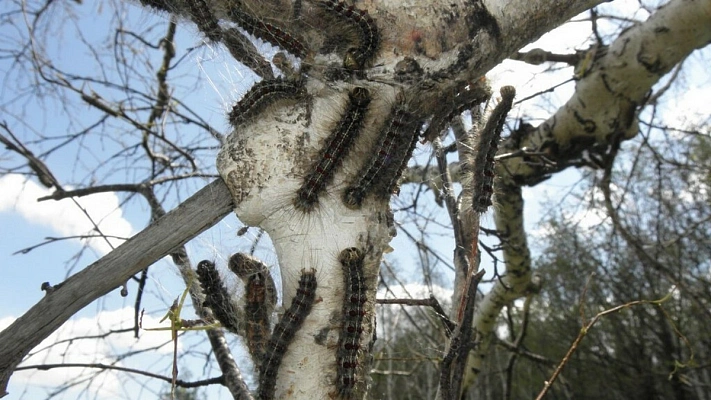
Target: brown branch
[(141, 188), (453, 364), (50, 239), (179, 382), (584, 331), (43, 173), (539, 56), (517, 345), (430, 302), (525, 353)]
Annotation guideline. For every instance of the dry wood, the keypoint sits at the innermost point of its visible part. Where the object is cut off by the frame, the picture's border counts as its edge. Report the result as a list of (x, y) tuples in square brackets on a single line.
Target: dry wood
[(201, 211)]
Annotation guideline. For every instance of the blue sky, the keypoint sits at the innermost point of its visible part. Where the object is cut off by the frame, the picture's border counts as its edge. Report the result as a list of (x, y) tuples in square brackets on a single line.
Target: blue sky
[(26, 223)]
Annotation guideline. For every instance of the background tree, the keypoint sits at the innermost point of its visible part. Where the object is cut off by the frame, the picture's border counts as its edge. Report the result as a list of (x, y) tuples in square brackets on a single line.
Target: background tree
[(453, 48)]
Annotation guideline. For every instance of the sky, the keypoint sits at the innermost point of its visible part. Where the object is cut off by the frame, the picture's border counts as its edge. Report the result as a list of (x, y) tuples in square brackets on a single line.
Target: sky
[(27, 223)]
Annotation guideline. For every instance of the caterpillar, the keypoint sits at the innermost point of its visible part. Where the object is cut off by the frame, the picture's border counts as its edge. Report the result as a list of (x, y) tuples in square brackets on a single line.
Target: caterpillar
[(337, 146), (260, 299), (161, 5), (262, 95), (284, 333), (269, 33), (402, 155), (488, 144), (204, 19), (355, 288), (472, 95), (216, 296), (356, 57), (384, 165)]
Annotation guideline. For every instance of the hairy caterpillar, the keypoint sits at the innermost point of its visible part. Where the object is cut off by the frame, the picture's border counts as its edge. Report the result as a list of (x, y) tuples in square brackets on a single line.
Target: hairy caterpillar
[(488, 144), (204, 19), (260, 299), (269, 33), (472, 95), (216, 296), (284, 333), (262, 95), (356, 57), (337, 146), (354, 300), (385, 164), (394, 171)]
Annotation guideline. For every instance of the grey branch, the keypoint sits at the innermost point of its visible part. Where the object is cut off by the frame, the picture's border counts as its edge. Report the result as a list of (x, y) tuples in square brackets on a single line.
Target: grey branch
[(201, 211)]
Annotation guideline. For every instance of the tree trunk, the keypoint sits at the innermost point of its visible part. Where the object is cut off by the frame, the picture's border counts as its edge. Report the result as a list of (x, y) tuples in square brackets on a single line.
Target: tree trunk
[(264, 161)]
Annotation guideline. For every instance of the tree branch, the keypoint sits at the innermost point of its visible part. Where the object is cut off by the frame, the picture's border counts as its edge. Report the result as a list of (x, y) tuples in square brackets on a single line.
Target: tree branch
[(201, 211), (179, 382)]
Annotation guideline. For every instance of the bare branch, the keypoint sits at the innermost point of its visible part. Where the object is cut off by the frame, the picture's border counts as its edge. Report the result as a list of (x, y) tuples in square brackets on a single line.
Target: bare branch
[(201, 211)]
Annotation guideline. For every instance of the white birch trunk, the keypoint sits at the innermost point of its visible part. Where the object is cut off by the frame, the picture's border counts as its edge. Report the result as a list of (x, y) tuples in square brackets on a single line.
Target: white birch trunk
[(602, 110), (263, 163)]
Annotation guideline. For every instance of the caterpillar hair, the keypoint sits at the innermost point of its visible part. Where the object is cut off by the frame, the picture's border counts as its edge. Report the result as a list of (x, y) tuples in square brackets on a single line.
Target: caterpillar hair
[(488, 144), (337, 146), (260, 299), (262, 95), (284, 333), (216, 296)]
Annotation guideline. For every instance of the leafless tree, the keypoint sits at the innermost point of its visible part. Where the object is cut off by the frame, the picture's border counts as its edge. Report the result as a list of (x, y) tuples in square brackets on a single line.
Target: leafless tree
[(314, 155)]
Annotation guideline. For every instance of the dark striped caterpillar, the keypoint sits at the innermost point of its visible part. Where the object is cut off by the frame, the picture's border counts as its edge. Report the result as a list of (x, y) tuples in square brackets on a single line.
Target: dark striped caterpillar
[(337, 146), (349, 339), (356, 57), (216, 296), (470, 95), (260, 299), (386, 163), (284, 333), (269, 32), (262, 95), (488, 144), (204, 19)]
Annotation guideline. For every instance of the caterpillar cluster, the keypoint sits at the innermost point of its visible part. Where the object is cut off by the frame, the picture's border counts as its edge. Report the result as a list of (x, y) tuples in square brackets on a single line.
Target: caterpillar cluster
[(260, 299), (284, 333), (349, 339), (381, 172), (356, 58), (332, 154), (488, 144)]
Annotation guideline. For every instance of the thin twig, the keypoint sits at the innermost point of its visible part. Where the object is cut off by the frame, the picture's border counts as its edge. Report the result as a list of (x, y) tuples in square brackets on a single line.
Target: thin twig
[(179, 382)]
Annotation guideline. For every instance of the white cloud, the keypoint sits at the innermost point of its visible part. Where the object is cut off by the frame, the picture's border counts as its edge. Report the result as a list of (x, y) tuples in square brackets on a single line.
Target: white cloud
[(106, 350), (19, 195)]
